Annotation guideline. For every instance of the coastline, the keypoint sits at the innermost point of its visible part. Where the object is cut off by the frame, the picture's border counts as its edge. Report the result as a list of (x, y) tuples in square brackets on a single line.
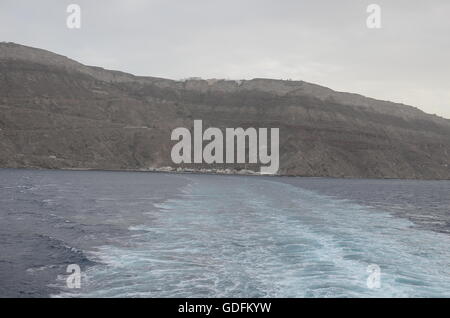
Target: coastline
[(223, 172)]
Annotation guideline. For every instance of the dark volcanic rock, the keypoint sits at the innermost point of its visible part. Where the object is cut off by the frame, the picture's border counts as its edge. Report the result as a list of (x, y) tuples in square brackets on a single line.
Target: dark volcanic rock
[(57, 113)]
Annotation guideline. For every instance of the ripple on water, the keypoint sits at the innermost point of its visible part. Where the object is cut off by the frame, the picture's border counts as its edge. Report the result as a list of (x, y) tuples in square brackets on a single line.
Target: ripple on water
[(262, 238)]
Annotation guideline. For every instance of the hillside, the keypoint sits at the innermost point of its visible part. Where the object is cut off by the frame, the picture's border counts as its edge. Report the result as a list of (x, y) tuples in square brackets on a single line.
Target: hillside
[(57, 113)]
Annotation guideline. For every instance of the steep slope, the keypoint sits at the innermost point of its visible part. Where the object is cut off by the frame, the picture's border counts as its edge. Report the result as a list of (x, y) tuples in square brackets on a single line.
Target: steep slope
[(57, 113)]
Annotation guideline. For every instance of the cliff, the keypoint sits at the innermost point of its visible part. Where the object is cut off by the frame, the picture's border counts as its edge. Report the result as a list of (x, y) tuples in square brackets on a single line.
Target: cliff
[(57, 113)]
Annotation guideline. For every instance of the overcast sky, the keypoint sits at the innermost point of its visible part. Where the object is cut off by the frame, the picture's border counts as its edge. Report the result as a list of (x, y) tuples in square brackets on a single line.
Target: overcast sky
[(323, 42)]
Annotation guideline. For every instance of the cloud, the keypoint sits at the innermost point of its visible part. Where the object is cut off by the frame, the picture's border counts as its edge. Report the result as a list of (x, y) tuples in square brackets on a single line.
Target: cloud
[(325, 42)]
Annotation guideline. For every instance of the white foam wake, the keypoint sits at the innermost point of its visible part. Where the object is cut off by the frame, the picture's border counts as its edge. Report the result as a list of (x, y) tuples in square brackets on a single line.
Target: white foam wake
[(249, 237)]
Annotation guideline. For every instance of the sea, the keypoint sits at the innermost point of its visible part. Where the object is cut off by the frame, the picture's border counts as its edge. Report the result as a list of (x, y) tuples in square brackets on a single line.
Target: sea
[(139, 234)]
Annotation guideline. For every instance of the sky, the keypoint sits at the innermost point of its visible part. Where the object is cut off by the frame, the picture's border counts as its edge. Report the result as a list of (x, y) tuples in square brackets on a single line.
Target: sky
[(328, 43)]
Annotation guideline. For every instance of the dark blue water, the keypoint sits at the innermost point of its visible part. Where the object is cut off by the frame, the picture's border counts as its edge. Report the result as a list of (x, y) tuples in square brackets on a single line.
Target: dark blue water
[(167, 235)]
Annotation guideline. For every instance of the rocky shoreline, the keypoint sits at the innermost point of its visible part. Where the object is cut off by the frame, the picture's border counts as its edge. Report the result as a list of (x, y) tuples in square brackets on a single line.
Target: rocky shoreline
[(219, 172)]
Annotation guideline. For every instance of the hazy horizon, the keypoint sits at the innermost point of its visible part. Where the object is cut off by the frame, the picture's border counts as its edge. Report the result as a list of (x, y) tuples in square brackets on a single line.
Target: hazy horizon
[(328, 44)]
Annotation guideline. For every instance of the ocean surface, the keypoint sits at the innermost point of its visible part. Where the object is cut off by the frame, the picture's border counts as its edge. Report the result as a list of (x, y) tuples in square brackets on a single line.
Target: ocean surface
[(185, 235)]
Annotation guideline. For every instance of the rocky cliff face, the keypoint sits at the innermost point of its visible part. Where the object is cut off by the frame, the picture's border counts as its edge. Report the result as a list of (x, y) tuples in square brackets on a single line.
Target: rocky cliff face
[(57, 113)]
